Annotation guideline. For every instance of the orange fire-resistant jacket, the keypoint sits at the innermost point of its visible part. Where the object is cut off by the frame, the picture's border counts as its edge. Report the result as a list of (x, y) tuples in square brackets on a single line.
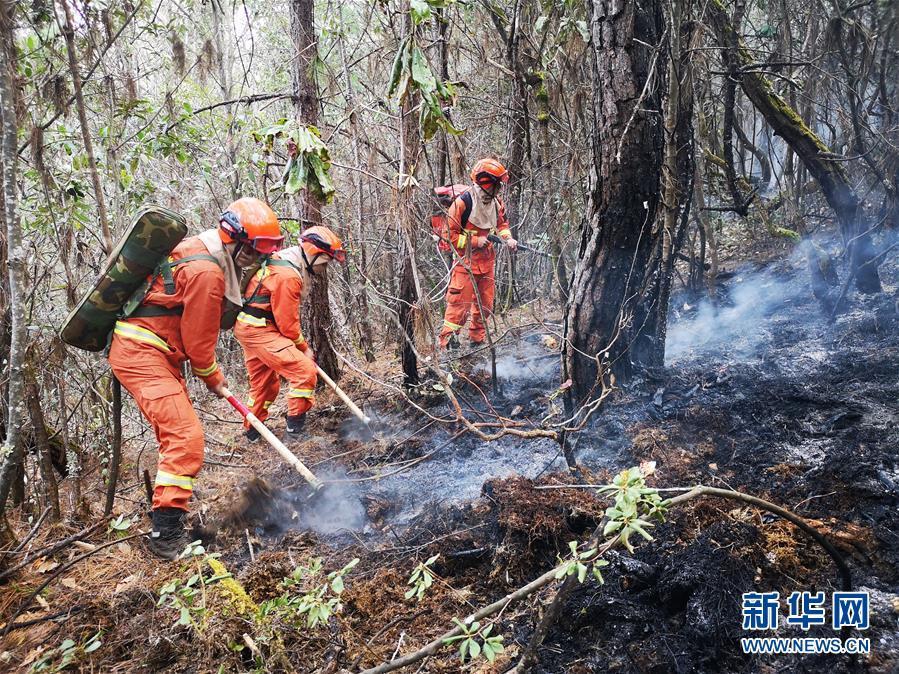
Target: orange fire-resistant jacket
[(276, 290), (479, 260), (192, 335)]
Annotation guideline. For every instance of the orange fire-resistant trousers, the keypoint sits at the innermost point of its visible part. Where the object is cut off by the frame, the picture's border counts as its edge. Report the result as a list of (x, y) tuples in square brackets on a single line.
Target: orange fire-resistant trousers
[(461, 300), (269, 355), (155, 382)]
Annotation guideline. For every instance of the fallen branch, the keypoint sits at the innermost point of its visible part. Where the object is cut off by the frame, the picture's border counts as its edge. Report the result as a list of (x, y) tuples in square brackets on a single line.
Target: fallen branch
[(56, 547), (552, 610)]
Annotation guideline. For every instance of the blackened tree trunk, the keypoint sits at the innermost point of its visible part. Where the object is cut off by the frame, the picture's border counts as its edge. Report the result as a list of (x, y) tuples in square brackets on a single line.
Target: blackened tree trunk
[(42, 445), (317, 310), (603, 315), (12, 450), (815, 155)]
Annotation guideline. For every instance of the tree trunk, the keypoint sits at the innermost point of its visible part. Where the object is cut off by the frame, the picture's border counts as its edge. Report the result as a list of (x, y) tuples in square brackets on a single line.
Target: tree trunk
[(362, 315), (16, 258), (68, 31), (408, 291), (42, 444), (679, 171), (814, 154), (317, 311), (602, 315)]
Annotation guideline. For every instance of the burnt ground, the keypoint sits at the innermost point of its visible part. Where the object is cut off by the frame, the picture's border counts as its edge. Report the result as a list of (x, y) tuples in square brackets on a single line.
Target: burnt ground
[(761, 394)]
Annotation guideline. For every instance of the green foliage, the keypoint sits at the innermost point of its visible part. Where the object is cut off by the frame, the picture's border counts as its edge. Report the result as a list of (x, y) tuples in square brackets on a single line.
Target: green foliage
[(421, 579), (120, 525), (309, 161), (635, 504), (188, 596), (411, 74), (469, 646), (68, 653), (580, 563), (421, 9), (311, 597)]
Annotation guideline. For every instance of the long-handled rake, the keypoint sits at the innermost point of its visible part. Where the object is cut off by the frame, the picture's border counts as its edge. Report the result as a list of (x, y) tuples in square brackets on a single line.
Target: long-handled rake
[(271, 439)]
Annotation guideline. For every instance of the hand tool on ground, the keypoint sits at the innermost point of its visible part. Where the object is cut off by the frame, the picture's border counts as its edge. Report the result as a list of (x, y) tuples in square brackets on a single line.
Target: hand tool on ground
[(270, 437), (345, 398), (527, 249)]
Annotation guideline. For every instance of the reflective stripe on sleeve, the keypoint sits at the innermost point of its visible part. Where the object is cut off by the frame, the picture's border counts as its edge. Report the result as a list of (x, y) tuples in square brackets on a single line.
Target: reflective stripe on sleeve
[(139, 334), (267, 404), (463, 237), (206, 371), (164, 479)]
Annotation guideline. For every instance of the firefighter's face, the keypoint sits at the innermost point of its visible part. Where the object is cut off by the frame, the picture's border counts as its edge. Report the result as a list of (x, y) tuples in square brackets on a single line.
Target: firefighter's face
[(246, 257)]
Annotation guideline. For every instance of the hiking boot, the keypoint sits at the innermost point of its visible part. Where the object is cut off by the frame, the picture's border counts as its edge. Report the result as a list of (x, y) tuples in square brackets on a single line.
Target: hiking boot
[(168, 540), (252, 434), (452, 344), (295, 423)]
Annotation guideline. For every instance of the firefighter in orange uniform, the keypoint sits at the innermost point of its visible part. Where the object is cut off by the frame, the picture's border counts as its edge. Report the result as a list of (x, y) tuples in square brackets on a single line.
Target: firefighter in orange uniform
[(269, 328), (178, 320), (472, 217)]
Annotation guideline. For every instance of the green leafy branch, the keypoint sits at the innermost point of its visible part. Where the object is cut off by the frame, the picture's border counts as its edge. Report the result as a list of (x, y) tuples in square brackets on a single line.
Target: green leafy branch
[(68, 653), (314, 606), (421, 579), (470, 647), (188, 597), (635, 504), (411, 73), (580, 563), (309, 161)]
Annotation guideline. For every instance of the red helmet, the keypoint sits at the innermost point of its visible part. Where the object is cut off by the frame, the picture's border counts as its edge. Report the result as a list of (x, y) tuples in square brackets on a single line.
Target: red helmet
[(322, 241), (251, 221), (489, 172)]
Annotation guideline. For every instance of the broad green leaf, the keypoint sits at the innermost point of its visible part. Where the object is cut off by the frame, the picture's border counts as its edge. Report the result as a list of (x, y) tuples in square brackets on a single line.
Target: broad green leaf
[(474, 649), (420, 11), (421, 72), (396, 71), (296, 179), (337, 585)]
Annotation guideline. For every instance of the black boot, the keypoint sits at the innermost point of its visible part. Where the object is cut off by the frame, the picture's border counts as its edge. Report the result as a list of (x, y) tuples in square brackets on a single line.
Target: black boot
[(452, 344), (295, 423), (168, 540), (252, 434)]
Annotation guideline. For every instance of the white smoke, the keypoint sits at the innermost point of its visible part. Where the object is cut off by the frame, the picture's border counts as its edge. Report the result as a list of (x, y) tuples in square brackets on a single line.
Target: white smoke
[(736, 325)]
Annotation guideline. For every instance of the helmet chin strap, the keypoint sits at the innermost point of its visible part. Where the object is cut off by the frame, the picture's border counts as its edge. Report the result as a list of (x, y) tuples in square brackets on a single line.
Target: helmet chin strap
[(309, 265), (238, 246)]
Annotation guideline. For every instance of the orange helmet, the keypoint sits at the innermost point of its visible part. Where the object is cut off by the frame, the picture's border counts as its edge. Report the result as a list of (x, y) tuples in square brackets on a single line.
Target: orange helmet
[(489, 172), (322, 241), (251, 221)]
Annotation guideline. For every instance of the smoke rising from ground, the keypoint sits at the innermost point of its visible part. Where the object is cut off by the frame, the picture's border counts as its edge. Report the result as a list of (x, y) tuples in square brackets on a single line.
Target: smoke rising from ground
[(335, 507), (734, 325)]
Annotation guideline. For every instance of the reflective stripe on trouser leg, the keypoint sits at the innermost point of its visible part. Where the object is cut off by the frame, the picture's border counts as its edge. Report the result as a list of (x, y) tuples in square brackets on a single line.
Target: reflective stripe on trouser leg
[(303, 378), (164, 479)]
